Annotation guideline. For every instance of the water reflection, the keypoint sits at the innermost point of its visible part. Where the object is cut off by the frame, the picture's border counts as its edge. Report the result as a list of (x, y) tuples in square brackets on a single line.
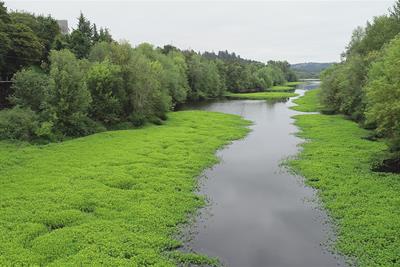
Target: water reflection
[(258, 215)]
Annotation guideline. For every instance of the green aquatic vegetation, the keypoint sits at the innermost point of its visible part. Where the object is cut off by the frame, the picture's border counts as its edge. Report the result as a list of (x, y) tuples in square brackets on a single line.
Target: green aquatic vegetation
[(110, 199), (282, 88), (364, 204), (309, 102), (294, 84), (263, 96)]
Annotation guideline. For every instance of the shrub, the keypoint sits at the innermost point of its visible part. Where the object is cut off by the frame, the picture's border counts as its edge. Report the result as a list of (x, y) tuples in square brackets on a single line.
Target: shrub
[(31, 89), (18, 123)]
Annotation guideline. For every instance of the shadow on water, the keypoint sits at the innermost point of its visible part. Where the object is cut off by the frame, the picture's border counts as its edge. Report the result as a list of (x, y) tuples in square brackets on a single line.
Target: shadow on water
[(260, 214)]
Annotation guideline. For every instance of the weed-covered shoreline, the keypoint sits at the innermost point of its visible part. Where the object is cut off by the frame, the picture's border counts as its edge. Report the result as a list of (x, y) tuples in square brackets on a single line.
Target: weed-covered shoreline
[(336, 160), (113, 198)]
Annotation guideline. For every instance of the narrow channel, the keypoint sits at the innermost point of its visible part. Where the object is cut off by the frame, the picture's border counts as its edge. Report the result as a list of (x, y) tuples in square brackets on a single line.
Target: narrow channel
[(260, 214)]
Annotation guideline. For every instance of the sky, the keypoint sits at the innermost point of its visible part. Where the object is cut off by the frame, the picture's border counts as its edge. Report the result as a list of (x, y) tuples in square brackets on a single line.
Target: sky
[(296, 31)]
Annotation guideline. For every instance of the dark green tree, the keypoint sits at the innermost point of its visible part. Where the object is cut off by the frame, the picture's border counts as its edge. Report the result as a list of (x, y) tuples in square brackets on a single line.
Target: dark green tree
[(25, 49), (80, 40)]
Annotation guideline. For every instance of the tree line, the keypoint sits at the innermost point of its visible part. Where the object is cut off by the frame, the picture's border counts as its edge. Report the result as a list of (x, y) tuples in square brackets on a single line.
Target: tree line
[(75, 84), (365, 85)]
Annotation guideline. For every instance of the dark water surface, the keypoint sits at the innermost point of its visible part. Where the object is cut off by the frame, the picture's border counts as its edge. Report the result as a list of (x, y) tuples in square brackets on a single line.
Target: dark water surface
[(259, 214)]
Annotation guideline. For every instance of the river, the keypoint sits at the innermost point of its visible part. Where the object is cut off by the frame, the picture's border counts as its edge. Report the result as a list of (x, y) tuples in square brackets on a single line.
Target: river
[(260, 214)]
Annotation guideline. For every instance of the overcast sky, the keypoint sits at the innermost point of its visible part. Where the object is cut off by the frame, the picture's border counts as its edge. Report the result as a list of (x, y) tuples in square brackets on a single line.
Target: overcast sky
[(297, 31)]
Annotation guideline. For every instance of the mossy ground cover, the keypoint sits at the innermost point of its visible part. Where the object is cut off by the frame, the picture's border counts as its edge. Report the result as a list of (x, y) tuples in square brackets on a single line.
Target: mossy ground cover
[(262, 96), (110, 199), (309, 102), (336, 160)]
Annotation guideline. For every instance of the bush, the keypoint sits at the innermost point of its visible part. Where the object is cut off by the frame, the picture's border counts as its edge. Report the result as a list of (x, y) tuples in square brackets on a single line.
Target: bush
[(31, 89), (18, 123)]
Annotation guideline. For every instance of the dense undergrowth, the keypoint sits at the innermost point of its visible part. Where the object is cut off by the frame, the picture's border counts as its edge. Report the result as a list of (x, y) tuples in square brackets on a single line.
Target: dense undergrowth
[(109, 199), (337, 161)]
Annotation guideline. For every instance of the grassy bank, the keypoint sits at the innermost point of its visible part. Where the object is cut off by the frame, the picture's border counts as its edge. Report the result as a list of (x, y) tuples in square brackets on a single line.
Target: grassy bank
[(110, 199), (336, 160), (309, 102), (294, 84), (282, 88), (262, 96)]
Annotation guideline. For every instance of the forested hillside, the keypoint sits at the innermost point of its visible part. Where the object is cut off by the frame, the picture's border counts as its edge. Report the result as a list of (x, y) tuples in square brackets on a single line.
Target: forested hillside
[(85, 82), (309, 70), (366, 85)]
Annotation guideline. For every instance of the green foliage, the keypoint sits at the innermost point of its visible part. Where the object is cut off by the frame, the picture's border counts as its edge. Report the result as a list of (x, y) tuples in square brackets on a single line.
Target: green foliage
[(370, 67), (383, 93), (262, 95), (265, 80), (31, 89), (109, 199), (173, 73), (81, 40), (190, 259), (204, 78), (105, 84), (309, 70), (364, 204), (284, 66), (69, 96), (276, 75), (89, 81), (26, 40), (25, 48), (45, 28), (309, 102), (18, 123), (147, 98)]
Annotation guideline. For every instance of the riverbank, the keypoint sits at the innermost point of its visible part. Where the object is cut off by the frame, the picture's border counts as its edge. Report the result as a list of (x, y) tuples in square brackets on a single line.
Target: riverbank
[(364, 204), (309, 102), (113, 198), (262, 96)]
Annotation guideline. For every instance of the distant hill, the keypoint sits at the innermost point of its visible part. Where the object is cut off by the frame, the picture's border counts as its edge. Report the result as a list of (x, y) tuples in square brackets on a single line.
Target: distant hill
[(309, 70)]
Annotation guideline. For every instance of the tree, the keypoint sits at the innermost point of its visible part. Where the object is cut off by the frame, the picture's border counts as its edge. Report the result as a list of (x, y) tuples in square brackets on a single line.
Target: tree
[(100, 52), (95, 34), (173, 72), (45, 28), (105, 36), (5, 46), (25, 48), (80, 40), (69, 97), (104, 81), (204, 78), (264, 78), (383, 94)]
